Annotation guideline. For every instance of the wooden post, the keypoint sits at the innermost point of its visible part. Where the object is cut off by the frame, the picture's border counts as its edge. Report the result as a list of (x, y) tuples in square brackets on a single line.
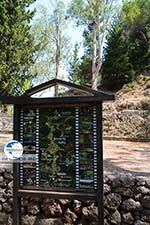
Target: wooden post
[(100, 164), (16, 199)]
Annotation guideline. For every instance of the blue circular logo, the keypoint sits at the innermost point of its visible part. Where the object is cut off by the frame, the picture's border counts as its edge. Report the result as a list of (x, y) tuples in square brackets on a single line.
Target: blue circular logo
[(13, 149)]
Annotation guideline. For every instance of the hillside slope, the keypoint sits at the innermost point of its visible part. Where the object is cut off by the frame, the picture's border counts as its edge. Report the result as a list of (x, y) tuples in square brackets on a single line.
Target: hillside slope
[(129, 116)]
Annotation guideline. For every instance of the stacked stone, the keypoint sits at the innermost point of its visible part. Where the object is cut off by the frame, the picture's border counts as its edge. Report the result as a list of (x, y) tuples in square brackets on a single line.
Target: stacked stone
[(6, 196), (6, 122), (126, 201), (126, 123), (58, 212)]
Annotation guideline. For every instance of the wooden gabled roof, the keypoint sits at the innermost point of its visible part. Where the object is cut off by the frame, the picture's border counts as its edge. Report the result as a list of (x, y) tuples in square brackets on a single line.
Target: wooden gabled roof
[(55, 82), (91, 95)]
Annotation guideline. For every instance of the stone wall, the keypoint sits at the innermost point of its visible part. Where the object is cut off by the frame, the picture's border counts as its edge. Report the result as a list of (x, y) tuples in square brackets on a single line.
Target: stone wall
[(6, 122), (131, 124), (126, 201)]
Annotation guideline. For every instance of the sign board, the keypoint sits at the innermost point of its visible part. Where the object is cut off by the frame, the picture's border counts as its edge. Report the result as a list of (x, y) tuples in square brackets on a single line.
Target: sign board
[(65, 142)]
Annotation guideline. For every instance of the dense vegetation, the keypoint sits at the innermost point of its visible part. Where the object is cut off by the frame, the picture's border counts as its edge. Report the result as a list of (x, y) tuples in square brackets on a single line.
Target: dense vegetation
[(116, 42), (127, 53), (16, 45)]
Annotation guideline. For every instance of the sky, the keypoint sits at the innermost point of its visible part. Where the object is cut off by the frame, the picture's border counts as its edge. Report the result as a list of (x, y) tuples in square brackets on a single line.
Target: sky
[(74, 33)]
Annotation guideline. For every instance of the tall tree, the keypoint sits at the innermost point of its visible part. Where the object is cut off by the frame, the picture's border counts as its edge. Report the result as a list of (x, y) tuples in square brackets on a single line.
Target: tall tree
[(49, 31), (135, 17), (80, 68), (127, 53), (97, 14), (117, 68), (16, 44)]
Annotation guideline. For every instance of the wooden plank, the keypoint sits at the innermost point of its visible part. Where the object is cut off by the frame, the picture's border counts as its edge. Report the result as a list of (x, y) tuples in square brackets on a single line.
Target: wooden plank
[(100, 163), (25, 100), (55, 194), (54, 82)]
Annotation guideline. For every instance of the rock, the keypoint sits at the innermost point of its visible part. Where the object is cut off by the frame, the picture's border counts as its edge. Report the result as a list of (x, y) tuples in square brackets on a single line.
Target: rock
[(64, 201), (7, 207), (3, 218), (115, 218), (147, 183), (28, 220), (146, 215), (3, 196), (1, 180), (112, 201), (127, 218), (77, 206), (50, 221), (143, 190), (107, 189), (8, 176), (138, 197), (128, 181), (25, 202), (126, 192), (106, 222), (2, 170), (33, 208), (90, 210), (0, 207), (106, 212), (116, 183), (51, 208), (70, 217), (107, 180), (90, 215), (146, 201), (9, 221), (10, 185), (139, 222), (140, 181), (131, 205), (9, 193)]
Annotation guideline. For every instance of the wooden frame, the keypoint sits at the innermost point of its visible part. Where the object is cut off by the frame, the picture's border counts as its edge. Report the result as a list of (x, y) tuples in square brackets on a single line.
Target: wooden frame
[(26, 101)]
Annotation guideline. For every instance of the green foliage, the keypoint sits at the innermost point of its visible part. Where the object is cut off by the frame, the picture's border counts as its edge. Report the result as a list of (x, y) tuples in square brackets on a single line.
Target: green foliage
[(136, 17), (117, 67), (50, 35), (16, 45), (75, 74), (127, 53), (80, 69), (96, 17)]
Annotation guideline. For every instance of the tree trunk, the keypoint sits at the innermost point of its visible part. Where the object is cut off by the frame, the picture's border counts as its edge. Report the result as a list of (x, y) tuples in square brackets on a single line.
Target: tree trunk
[(94, 66), (57, 59), (97, 46)]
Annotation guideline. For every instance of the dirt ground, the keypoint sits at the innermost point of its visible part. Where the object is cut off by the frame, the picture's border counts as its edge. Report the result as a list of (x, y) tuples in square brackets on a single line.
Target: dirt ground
[(127, 157), (119, 156)]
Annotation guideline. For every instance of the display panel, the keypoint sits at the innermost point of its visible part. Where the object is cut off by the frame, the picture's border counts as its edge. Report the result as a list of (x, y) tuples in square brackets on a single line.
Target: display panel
[(57, 165), (65, 144)]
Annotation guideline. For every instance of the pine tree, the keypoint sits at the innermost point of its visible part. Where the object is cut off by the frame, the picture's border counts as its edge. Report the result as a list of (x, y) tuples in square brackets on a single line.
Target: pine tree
[(127, 53), (80, 69), (117, 68), (16, 44)]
